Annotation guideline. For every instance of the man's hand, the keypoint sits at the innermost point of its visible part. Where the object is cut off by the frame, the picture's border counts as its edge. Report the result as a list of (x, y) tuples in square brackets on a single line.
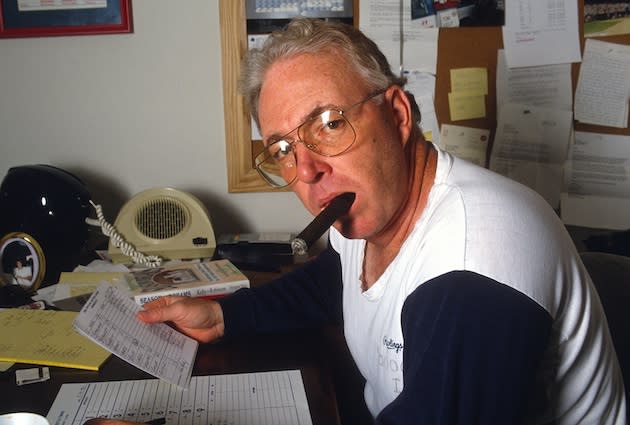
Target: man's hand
[(198, 318)]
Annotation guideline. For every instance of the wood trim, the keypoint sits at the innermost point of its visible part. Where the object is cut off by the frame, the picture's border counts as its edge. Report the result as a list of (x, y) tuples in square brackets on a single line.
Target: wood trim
[(242, 177)]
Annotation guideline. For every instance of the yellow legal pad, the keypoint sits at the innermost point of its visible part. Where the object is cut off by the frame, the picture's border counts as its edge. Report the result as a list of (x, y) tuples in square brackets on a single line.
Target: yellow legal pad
[(47, 337)]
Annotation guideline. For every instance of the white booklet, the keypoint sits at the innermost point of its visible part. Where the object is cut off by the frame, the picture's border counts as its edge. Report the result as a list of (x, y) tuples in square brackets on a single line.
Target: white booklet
[(109, 319)]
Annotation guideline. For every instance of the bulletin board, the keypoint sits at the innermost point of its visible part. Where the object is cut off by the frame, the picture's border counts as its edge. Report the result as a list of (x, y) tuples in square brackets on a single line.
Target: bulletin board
[(477, 47), (466, 47), (459, 47)]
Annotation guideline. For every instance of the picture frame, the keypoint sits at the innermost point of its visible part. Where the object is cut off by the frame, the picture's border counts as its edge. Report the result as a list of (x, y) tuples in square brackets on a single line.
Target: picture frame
[(44, 18), (22, 261)]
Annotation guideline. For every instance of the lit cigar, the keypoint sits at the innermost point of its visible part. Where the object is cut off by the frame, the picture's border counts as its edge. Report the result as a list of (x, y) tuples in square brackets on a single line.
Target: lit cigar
[(322, 222)]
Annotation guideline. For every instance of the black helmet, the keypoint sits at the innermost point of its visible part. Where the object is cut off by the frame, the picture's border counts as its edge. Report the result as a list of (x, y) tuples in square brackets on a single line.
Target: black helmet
[(42, 216)]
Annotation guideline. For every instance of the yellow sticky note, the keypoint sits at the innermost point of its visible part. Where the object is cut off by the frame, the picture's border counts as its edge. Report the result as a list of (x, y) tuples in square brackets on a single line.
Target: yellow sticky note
[(473, 80), (465, 106)]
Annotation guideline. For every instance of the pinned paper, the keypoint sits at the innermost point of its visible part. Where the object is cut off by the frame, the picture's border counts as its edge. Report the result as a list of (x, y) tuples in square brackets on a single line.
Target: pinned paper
[(467, 99), (601, 96), (467, 143), (530, 146), (541, 32), (422, 86), (448, 18), (596, 174), (469, 80), (466, 105)]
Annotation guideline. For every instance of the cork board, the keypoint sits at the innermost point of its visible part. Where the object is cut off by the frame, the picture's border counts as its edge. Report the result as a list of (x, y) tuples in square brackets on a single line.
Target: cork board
[(477, 47)]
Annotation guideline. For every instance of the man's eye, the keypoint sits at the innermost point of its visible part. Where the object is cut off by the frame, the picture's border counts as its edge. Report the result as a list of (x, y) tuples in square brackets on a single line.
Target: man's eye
[(334, 125)]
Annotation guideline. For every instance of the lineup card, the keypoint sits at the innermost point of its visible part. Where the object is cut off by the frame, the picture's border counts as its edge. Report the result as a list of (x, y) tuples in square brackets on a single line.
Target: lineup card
[(265, 398), (109, 319)]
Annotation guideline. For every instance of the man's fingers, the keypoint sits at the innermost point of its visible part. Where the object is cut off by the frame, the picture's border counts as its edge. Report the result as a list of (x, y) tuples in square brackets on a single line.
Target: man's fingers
[(154, 311), (152, 316)]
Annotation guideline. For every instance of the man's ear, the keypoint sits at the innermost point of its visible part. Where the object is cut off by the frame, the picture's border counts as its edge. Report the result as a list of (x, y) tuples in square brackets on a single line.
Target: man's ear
[(402, 112)]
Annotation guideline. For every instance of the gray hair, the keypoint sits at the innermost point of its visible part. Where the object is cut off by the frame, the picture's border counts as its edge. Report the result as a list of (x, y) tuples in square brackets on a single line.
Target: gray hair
[(314, 36)]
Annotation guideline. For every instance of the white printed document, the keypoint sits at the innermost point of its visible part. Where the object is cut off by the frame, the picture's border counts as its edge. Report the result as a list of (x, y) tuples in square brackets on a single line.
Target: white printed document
[(109, 319), (541, 32), (248, 398), (603, 87), (598, 182), (407, 43), (531, 146), (422, 86), (548, 86), (467, 143)]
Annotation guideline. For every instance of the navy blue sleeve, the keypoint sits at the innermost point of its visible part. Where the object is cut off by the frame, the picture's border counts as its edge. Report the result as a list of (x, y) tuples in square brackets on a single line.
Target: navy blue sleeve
[(307, 297), (471, 350)]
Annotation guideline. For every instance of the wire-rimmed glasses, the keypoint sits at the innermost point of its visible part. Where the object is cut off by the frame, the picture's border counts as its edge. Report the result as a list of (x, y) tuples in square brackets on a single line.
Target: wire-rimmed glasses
[(328, 133)]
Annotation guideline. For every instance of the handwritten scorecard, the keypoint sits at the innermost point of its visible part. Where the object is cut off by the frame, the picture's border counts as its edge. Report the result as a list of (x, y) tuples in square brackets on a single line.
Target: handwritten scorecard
[(276, 398), (109, 319)]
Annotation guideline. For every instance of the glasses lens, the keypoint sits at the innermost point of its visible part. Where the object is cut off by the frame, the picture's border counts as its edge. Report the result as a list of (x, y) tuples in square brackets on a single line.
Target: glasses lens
[(328, 134), (276, 163)]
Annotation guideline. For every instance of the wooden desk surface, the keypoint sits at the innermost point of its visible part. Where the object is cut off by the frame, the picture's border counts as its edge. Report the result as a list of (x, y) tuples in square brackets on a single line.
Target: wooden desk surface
[(334, 387)]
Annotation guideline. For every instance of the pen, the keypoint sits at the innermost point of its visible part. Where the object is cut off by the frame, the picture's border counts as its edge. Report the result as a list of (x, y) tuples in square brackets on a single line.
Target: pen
[(157, 421)]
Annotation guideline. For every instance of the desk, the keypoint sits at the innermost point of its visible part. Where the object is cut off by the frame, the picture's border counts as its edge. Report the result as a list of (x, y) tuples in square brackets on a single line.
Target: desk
[(333, 386)]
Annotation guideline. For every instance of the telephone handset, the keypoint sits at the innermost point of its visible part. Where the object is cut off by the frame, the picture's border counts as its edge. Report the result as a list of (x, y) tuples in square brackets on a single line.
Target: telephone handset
[(157, 224)]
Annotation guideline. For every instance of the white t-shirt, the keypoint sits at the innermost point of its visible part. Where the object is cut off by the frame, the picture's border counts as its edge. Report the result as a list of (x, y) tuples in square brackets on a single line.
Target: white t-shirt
[(478, 221)]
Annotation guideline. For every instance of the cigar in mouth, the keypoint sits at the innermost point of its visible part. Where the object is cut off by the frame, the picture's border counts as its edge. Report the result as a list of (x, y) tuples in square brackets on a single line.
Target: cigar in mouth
[(322, 222)]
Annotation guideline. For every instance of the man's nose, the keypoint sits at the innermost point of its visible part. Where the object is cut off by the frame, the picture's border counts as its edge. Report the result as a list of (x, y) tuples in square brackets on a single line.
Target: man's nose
[(310, 166)]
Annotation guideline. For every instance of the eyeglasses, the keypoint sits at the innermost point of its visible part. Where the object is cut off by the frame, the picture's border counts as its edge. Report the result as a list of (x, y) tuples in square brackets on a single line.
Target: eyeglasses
[(328, 133)]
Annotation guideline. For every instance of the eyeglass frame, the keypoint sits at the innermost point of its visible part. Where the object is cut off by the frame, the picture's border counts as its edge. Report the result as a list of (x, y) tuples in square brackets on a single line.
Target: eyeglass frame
[(341, 112)]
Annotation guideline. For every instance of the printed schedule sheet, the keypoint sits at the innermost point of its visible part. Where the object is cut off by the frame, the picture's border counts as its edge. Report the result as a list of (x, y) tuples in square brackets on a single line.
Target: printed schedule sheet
[(273, 398)]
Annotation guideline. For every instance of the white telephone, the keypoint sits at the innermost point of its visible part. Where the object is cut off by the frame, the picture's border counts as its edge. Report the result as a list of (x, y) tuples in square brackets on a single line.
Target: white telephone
[(157, 224)]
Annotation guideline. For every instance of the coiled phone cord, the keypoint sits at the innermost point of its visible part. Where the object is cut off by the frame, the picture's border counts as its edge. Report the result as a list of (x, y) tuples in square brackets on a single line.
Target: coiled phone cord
[(119, 241)]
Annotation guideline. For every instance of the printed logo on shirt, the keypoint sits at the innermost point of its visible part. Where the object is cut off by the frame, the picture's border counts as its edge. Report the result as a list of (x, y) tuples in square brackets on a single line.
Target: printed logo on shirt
[(390, 344), (390, 359)]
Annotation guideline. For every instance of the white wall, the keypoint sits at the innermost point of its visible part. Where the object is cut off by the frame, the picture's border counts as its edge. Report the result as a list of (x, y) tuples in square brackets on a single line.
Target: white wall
[(128, 112)]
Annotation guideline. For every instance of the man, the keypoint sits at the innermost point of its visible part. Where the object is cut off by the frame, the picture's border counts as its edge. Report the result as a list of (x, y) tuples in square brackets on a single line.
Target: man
[(22, 274), (462, 296)]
